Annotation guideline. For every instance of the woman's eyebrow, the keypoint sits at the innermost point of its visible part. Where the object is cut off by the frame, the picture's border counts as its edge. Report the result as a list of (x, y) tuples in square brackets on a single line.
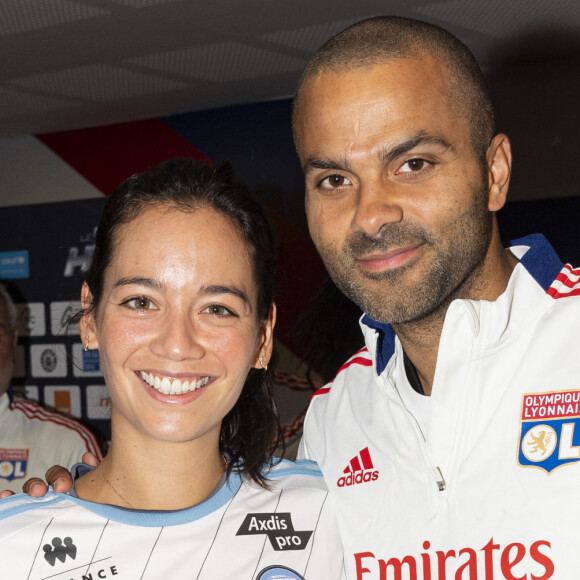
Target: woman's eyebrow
[(139, 281), (214, 289)]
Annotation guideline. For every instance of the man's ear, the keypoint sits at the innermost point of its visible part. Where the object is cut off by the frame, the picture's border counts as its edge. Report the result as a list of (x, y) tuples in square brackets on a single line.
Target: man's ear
[(267, 340), (499, 167), (87, 325)]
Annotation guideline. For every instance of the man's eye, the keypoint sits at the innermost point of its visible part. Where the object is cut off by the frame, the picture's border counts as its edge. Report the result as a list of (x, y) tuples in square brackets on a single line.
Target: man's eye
[(334, 181), (413, 165)]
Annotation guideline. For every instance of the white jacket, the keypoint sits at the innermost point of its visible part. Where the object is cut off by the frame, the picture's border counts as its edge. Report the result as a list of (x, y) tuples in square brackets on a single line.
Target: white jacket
[(34, 438), (489, 486)]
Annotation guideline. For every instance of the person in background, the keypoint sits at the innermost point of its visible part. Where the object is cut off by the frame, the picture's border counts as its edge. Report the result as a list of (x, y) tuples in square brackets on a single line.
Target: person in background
[(451, 442), (32, 437), (179, 302)]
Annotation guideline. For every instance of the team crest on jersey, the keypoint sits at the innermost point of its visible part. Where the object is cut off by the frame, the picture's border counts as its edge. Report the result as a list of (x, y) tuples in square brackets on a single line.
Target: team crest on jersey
[(550, 429), (13, 463), (278, 573)]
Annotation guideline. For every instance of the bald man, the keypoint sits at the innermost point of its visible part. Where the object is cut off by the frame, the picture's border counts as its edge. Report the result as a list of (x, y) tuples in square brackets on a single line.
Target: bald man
[(448, 443)]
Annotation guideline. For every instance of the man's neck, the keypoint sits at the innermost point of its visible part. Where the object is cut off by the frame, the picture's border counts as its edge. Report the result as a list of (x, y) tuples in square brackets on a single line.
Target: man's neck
[(420, 338)]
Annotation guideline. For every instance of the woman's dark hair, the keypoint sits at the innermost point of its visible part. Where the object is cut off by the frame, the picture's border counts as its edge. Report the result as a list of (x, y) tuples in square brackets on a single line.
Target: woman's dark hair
[(251, 429)]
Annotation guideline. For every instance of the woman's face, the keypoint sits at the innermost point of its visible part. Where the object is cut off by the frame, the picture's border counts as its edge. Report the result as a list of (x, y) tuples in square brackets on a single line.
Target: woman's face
[(177, 326)]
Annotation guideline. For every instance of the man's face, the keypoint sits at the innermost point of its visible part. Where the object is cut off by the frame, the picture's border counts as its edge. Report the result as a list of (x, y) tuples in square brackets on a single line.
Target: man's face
[(8, 339), (395, 196)]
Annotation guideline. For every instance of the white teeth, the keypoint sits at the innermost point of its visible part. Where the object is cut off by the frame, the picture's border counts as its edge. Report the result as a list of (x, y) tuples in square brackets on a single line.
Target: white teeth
[(168, 386)]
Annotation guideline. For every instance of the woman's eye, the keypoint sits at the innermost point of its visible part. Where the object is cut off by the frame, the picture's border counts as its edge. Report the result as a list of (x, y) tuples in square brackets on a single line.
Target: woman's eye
[(413, 166), (218, 310), (140, 303)]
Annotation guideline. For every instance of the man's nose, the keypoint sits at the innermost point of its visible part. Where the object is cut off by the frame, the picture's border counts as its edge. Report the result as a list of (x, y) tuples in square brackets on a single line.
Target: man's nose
[(377, 204)]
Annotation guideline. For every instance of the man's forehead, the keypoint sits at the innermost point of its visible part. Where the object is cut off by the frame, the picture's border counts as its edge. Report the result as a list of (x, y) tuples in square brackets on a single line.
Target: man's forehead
[(394, 88)]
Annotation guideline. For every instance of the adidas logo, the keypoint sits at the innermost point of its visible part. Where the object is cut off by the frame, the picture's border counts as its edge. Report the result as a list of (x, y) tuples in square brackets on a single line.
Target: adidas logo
[(359, 470)]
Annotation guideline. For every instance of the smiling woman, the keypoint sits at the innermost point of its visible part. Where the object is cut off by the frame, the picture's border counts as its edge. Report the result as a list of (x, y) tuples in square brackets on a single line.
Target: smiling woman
[(179, 302)]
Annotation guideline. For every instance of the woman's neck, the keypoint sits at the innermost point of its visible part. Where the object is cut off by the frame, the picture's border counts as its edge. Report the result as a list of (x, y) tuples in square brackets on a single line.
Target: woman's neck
[(155, 476)]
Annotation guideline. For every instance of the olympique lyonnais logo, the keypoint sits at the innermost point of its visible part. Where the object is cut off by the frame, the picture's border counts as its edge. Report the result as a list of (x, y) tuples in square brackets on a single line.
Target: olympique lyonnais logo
[(13, 463), (278, 528), (548, 437)]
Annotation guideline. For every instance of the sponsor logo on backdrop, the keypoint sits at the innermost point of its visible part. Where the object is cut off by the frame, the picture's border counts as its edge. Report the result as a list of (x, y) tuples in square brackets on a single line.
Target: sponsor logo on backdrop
[(31, 392), (48, 360), (279, 529), (14, 265), (30, 320), (549, 431), (60, 315), (79, 257), (65, 398), (86, 363), (98, 402), (13, 463)]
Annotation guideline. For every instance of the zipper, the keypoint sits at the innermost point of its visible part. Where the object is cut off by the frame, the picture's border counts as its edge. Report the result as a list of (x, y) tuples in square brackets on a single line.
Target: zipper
[(436, 472)]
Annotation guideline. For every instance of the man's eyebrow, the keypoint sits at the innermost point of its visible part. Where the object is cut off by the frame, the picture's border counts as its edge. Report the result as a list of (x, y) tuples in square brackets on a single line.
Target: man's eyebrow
[(387, 154), (214, 289), (313, 163), (138, 281)]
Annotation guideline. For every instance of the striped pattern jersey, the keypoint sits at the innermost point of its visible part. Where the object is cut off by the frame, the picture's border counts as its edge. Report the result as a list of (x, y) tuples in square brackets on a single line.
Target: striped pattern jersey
[(241, 531)]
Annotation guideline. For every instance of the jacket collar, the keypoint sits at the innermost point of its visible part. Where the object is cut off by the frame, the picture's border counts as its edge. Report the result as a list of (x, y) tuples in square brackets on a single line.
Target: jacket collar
[(534, 252)]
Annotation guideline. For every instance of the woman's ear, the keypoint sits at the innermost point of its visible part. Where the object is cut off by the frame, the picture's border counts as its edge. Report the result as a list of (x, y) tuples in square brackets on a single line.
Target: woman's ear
[(499, 167), (87, 326), (267, 340)]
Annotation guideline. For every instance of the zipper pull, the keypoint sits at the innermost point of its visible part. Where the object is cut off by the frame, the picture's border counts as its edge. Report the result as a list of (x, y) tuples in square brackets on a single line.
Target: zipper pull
[(440, 480)]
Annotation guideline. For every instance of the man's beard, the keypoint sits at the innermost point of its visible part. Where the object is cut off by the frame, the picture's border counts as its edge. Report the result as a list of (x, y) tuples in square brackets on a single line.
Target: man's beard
[(447, 262)]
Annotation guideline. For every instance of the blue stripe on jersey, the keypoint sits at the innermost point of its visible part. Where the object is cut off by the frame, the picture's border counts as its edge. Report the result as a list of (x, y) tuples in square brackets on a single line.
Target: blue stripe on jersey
[(22, 502), (221, 496), (541, 261), (298, 467)]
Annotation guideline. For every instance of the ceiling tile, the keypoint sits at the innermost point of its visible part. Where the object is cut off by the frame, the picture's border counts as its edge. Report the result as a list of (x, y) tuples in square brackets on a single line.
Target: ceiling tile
[(25, 15), (308, 38), (502, 19), (223, 62), (99, 83)]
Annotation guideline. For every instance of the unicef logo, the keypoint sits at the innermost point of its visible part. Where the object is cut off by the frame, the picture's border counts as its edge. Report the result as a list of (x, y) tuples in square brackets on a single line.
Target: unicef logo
[(539, 443), (48, 360)]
